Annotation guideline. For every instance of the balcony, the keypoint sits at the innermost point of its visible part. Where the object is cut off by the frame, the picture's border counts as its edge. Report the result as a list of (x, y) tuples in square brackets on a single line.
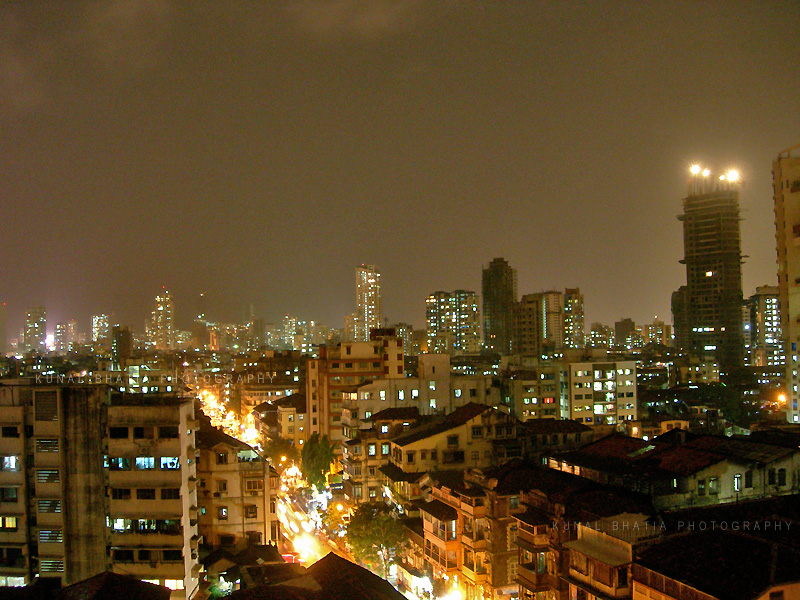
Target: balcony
[(437, 559), (475, 540), (251, 465), (9, 564), (537, 582), (474, 571)]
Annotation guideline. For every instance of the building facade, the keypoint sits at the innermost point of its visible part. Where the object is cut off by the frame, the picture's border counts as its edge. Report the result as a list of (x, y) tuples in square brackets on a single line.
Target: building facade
[(35, 333), (238, 493), (603, 393), (339, 369), (499, 289), (94, 481), (163, 335), (369, 311), (708, 310), (786, 189), (762, 327), (453, 322)]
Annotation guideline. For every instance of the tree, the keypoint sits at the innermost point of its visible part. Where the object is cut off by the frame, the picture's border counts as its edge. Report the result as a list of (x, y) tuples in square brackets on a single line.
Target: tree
[(333, 520), (277, 448), (375, 536), (316, 458)]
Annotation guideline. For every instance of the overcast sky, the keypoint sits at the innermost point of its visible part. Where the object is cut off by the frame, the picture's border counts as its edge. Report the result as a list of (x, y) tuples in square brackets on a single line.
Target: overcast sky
[(260, 151)]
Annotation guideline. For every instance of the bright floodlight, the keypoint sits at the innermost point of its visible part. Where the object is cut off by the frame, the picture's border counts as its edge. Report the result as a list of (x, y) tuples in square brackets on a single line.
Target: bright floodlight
[(695, 169), (722, 177), (732, 175), (706, 172)]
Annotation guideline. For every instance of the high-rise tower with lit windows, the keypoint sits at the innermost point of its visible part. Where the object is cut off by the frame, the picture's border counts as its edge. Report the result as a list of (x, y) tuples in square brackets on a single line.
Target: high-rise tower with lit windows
[(453, 322), (786, 189), (369, 313), (707, 311), (162, 328), (35, 333)]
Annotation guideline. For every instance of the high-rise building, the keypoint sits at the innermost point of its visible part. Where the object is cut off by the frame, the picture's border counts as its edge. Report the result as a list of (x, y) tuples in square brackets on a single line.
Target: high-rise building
[(121, 344), (657, 332), (95, 481), (72, 334), (528, 316), (3, 330), (574, 325), (453, 322), (786, 188), (499, 287), (162, 328), (101, 330), (762, 328), (405, 332), (369, 312), (709, 310), (601, 336), (623, 329), (60, 338), (35, 329), (549, 322)]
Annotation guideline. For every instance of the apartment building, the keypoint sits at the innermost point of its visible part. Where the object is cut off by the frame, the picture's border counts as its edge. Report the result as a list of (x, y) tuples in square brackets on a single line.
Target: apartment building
[(602, 392), (93, 480), (368, 449), (465, 438), (238, 492), (152, 483), (602, 556), (340, 368), (540, 391), (292, 418)]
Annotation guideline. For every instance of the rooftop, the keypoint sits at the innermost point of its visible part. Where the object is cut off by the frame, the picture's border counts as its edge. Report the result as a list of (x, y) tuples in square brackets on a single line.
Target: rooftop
[(457, 418), (399, 413), (742, 567), (330, 578)]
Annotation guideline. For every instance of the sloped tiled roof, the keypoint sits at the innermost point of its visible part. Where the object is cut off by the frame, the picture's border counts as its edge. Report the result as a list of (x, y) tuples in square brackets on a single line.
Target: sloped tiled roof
[(723, 564), (398, 413), (208, 437), (296, 401), (550, 426), (395, 473), (457, 418), (437, 508), (633, 457), (111, 586), (330, 578)]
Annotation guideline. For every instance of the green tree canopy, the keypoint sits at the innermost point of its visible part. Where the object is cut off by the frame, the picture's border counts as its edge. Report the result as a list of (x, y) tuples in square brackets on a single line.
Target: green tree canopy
[(316, 458), (375, 536), (278, 447)]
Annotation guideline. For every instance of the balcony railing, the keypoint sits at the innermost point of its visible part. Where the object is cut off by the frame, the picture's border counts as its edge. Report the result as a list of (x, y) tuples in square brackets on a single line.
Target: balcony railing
[(538, 582)]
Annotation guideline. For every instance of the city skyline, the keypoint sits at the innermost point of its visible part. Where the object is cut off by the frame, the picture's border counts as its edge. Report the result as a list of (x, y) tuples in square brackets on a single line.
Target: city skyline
[(152, 145)]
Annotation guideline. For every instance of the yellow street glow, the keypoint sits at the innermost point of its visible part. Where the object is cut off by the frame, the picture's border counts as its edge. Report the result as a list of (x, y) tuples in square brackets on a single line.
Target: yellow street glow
[(732, 175), (706, 172), (695, 169)]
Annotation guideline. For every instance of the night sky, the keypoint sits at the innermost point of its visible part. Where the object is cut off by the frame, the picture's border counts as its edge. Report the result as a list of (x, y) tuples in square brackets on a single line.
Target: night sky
[(259, 152)]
